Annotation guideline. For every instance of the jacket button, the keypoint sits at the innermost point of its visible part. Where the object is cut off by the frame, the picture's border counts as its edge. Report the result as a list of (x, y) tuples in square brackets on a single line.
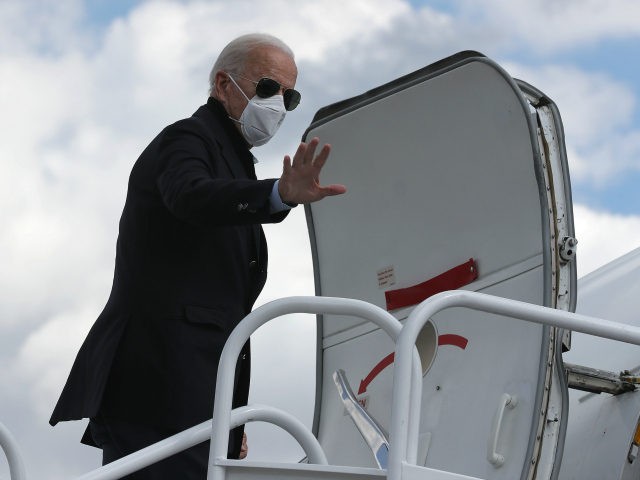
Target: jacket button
[(253, 264)]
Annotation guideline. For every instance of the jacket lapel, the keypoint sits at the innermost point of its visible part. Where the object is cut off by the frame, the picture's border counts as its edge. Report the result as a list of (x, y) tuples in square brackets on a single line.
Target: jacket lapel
[(239, 161)]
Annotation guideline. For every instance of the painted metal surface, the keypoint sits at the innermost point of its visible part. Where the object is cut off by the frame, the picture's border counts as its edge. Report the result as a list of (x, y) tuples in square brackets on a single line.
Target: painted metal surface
[(601, 426), (549, 439), (452, 162), (405, 408), (403, 413)]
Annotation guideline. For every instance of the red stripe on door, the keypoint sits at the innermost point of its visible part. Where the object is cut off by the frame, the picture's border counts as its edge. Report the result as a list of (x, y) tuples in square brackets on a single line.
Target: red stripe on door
[(450, 280)]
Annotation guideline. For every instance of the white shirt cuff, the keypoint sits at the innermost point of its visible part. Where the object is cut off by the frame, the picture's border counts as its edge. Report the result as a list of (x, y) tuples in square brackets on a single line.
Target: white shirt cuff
[(277, 205)]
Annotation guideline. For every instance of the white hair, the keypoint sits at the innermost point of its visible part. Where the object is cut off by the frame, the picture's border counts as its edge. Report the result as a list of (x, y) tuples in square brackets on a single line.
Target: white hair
[(233, 57)]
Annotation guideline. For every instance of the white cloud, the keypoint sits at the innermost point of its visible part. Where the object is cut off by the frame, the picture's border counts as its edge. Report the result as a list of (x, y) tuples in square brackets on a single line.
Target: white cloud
[(550, 25), (45, 358), (311, 29), (46, 24), (603, 143), (603, 236)]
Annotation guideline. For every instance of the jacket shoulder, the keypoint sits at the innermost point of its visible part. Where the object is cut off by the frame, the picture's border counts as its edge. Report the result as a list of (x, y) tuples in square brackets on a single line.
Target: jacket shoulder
[(194, 125)]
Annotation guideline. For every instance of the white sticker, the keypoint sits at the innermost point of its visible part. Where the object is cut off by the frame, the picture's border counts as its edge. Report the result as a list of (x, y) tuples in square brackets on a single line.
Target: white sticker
[(386, 277)]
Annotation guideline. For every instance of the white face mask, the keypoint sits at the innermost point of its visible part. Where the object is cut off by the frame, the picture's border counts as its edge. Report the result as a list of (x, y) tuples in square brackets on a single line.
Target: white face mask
[(261, 118)]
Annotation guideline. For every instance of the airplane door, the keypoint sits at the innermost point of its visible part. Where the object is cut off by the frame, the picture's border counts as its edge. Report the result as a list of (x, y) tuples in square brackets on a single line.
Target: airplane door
[(456, 178)]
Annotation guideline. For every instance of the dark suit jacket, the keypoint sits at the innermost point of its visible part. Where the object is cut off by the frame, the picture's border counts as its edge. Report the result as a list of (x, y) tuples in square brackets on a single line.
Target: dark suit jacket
[(191, 259)]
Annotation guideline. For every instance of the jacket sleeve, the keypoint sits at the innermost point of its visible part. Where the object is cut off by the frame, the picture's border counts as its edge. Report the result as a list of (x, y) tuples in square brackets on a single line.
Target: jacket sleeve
[(196, 187)]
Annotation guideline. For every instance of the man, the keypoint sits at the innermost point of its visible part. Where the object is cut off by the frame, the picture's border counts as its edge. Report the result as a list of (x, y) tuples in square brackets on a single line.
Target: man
[(191, 259)]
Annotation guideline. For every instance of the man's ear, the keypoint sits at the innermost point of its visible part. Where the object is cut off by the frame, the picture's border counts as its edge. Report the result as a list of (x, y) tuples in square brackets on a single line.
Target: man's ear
[(222, 84)]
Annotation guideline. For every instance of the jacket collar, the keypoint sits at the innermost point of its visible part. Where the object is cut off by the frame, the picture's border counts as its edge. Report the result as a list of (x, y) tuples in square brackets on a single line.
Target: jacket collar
[(232, 144)]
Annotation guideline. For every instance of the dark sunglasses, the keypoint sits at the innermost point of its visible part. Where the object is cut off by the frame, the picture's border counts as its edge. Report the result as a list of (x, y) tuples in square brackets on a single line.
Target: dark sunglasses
[(267, 87)]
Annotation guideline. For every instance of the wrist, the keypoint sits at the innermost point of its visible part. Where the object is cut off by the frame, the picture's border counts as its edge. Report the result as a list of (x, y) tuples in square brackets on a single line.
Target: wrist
[(283, 198), (276, 200)]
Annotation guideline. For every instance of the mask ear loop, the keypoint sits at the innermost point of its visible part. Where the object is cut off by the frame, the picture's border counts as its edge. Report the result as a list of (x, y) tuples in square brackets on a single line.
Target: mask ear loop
[(237, 120), (238, 87)]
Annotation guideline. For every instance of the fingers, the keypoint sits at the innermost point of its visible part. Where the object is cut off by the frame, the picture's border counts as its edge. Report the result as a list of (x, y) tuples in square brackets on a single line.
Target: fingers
[(333, 189), (300, 180), (298, 158), (244, 448), (322, 156), (311, 151), (306, 154), (286, 164)]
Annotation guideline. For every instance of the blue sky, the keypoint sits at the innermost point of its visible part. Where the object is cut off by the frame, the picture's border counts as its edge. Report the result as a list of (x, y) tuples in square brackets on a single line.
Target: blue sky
[(96, 16), (102, 12), (617, 57), (87, 84)]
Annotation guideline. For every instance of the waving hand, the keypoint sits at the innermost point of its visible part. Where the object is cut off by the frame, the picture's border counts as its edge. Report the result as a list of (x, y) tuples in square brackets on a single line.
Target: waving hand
[(300, 180)]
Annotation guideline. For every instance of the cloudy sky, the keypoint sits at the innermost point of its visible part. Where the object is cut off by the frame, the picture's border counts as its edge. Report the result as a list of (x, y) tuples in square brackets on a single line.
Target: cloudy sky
[(85, 85)]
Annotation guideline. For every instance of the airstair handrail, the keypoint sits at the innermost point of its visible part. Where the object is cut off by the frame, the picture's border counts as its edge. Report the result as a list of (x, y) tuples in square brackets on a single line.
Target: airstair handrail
[(201, 432), (8, 443), (287, 422), (405, 412), (267, 312)]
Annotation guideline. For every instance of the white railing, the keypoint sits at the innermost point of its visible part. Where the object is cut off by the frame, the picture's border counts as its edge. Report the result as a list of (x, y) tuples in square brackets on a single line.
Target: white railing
[(177, 443), (225, 418), (198, 434), (405, 412), (12, 452), (405, 408), (278, 308)]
